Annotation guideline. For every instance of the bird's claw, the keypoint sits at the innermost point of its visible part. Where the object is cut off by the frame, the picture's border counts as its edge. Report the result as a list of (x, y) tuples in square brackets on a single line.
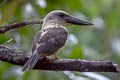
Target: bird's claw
[(56, 57), (45, 58)]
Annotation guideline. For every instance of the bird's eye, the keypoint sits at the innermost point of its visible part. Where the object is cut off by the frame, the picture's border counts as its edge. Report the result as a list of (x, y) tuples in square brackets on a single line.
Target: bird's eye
[(61, 15), (50, 17)]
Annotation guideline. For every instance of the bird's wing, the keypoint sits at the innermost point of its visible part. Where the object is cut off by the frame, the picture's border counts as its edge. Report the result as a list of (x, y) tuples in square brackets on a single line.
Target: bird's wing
[(49, 40), (46, 42)]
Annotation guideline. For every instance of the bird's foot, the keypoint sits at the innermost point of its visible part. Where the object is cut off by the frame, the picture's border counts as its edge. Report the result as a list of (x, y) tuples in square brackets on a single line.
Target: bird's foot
[(46, 58), (56, 57)]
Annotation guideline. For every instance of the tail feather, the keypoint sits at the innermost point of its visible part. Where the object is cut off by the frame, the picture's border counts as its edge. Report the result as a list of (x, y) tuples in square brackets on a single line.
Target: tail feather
[(31, 62)]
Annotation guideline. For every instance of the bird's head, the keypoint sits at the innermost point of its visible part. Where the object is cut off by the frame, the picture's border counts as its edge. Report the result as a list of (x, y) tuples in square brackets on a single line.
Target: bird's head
[(63, 18)]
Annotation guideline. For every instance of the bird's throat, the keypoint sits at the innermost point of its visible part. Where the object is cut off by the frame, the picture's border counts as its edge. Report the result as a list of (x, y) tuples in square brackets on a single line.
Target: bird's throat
[(52, 25)]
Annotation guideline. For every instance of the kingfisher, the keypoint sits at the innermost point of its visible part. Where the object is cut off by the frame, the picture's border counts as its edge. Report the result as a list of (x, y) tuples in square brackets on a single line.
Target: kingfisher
[(52, 37)]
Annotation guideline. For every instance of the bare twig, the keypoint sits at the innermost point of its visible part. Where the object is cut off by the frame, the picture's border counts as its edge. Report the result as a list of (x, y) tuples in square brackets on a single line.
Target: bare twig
[(4, 1), (19, 58), (6, 28), (7, 41)]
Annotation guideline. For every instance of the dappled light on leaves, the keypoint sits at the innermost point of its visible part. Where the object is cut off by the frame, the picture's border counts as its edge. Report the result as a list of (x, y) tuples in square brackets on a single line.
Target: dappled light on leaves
[(100, 41)]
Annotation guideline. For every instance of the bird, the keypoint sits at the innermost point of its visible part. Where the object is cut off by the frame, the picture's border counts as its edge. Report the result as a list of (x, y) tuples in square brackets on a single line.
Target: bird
[(52, 36)]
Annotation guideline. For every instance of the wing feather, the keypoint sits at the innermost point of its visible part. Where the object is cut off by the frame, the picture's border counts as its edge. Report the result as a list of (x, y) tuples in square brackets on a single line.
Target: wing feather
[(51, 41)]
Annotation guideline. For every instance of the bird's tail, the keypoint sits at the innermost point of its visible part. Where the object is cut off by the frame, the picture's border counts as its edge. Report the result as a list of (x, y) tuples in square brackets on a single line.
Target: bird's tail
[(31, 62)]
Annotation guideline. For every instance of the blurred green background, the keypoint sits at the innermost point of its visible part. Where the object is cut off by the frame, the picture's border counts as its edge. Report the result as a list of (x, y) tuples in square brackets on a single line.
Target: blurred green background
[(98, 42)]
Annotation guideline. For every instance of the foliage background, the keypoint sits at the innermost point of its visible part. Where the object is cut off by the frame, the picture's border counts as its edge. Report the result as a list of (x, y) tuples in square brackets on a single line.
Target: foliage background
[(98, 42)]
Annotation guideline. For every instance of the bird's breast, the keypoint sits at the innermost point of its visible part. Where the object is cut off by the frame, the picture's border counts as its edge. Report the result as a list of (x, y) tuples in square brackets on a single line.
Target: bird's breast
[(49, 40)]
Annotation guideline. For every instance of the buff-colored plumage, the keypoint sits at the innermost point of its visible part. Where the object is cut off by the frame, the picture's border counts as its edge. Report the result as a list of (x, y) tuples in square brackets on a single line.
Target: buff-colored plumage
[(52, 37)]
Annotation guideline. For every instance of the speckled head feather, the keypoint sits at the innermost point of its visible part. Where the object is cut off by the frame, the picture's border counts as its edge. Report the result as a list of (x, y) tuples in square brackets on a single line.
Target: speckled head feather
[(62, 18), (56, 16)]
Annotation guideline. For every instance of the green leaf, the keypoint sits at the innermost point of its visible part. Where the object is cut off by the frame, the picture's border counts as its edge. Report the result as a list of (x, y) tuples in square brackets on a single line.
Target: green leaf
[(77, 53), (9, 11), (3, 38)]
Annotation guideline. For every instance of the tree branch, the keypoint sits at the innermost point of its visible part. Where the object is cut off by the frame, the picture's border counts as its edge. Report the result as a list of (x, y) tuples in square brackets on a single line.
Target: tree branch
[(19, 58), (6, 28)]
